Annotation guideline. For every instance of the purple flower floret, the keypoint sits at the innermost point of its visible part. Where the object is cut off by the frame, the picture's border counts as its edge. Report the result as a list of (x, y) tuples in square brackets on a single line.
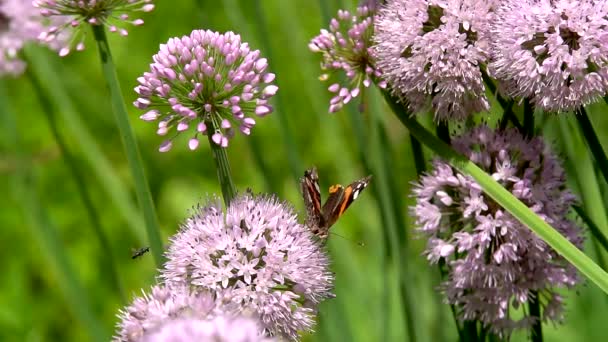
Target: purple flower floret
[(553, 52), (208, 82), (20, 22), (256, 256), (178, 314), (434, 48), (346, 47), (494, 262), (75, 13)]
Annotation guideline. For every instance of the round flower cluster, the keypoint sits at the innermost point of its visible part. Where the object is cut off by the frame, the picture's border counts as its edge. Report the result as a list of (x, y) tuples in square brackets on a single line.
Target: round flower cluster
[(209, 81), (255, 256), (346, 47), (93, 12), (20, 22), (177, 314), (434, 48), (553, 52), (494, 262)]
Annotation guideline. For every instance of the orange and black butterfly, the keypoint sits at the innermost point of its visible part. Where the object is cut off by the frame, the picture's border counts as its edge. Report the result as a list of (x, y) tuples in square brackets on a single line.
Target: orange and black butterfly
[(321, 217)]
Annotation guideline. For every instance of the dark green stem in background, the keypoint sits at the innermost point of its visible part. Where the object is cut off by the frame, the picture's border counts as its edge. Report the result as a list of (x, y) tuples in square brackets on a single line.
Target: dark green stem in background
[(592, 141), (534, 307), (130, 145), (110, 263), (595, 230), (223, 166), (528, 129), (418, 153), (443, 131)]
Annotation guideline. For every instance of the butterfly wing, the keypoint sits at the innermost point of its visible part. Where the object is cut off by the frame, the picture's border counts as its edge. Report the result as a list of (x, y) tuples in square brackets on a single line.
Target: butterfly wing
[(340, 198), (312, 197)]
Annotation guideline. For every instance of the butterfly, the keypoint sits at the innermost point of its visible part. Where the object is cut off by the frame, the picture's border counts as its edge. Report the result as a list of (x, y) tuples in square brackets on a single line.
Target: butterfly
[(321, 217)]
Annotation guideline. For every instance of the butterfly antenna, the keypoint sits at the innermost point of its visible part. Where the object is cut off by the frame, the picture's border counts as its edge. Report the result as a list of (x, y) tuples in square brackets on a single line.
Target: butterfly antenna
[(360, 243)]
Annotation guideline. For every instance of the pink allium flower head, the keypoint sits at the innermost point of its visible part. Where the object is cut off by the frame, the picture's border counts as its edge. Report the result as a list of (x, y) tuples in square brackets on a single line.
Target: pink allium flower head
[(20, 22), (553, 52), (435, 48), (346, 47), (179, 313), (493, 260), (257, 256), (112, 14), (217, 329), (205, 80)]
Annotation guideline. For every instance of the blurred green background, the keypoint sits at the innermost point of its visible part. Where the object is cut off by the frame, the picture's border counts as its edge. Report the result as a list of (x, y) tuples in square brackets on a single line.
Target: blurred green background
[(42, 208)]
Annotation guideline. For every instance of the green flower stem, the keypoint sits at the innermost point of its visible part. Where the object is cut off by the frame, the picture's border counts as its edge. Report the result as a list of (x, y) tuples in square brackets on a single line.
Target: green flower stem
[(592, 141), (504, 198), (130, 145), (23, 186), (595, 230), (533, 300), (534, 307), (111, 268), (223, 166)]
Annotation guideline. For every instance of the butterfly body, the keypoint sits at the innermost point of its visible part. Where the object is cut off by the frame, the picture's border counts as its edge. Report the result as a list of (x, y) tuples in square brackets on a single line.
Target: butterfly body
[(320, 217)]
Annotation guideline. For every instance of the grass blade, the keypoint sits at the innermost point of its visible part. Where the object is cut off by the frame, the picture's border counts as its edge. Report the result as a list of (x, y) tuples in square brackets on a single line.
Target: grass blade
[(130, 145)]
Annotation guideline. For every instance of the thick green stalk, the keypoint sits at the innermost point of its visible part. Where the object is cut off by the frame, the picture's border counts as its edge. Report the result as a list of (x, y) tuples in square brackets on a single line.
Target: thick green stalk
[(504, 198), (129, 143), (109, 262), (592, 141), (23, 186), (223, 166)]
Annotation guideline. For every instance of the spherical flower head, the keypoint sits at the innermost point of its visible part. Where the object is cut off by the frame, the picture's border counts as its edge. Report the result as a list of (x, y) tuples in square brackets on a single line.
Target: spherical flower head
[(112, 14), (209, 81), (345, 47), (494, 262), (20, 23), (434, 48), (257, 256), (552, 52), (178, 314)]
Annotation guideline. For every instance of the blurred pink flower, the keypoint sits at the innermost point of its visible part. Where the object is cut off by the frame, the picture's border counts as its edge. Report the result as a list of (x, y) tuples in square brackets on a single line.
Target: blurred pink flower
[(74, 13)]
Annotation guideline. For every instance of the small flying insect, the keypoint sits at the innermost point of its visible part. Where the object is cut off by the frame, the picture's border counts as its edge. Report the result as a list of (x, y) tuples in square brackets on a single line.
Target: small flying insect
[(139, 252)]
